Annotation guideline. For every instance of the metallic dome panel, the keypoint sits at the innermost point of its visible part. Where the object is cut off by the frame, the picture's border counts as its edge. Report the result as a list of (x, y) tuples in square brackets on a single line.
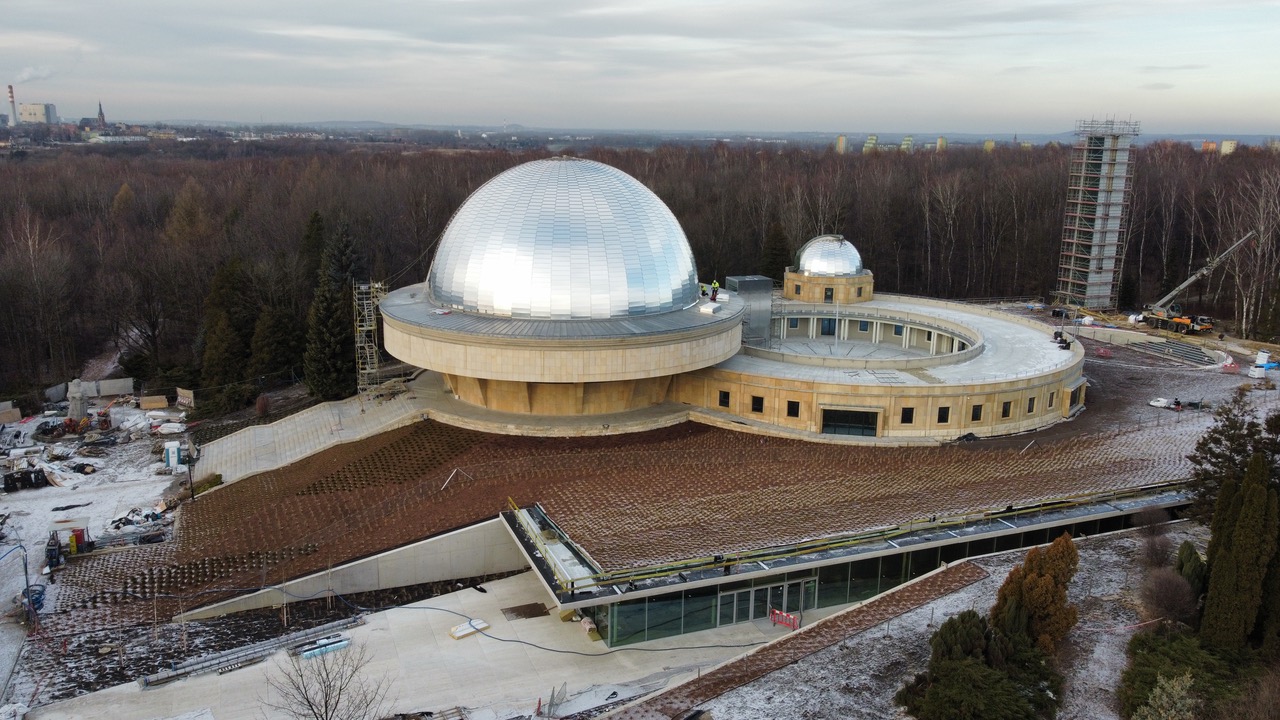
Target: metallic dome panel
[(562, 239), (830, 255)]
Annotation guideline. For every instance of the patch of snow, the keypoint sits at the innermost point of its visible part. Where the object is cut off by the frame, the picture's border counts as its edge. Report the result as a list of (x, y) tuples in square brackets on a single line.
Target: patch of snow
[(858, 677), (125, 478)]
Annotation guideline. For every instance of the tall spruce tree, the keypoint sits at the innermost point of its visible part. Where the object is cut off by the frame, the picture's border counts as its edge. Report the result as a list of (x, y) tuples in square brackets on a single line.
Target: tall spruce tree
[(1244, 529), (276, 347), (223, 365), (329, 361), (1225, 448), (776, 255)]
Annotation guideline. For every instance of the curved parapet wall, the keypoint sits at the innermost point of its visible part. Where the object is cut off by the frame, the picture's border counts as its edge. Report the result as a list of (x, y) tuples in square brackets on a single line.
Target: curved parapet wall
[(1014, 378), (947, 342)]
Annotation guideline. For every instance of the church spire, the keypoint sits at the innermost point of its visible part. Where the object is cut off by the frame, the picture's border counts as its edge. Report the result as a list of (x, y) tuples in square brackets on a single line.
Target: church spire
[(102, 119)]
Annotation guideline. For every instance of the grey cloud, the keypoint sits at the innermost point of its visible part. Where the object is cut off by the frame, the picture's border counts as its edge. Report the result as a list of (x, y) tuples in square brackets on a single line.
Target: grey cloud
[(1170, 68)]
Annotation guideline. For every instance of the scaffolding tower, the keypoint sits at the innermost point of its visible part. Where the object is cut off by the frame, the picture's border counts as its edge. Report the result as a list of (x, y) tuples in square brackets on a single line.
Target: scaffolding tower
[(1095, 231), (366, 297)]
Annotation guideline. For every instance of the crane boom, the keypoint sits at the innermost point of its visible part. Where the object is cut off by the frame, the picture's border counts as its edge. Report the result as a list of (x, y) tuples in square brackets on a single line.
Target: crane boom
[(1162, 303)]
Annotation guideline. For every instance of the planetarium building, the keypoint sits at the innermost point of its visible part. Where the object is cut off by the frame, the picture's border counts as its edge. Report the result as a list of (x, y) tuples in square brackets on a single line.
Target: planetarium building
[(565, 288)]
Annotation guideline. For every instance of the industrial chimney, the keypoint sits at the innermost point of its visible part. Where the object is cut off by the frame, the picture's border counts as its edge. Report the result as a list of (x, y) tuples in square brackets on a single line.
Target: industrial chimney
[(13, 109)]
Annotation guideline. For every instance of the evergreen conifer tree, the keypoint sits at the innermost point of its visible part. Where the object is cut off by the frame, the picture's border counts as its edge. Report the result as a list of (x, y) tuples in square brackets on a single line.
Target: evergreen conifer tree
[(1033, 599), (329, 361), (223, 365), (776, 255), (1241, 549), (1171, 699), (276, 347), (1191, 567), (1225, 448)]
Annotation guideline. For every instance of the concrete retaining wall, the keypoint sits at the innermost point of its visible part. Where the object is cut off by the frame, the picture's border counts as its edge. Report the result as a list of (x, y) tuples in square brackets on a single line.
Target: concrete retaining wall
[(261, 448), (482, 549), (1113, 336)]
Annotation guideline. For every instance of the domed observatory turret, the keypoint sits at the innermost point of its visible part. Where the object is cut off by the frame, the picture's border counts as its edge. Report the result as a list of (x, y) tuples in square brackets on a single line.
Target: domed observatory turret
[(561, 286), (829, 270), (564, 239)]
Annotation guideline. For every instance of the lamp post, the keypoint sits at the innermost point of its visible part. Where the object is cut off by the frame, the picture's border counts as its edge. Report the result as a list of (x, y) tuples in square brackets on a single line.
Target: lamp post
[(26, 581)]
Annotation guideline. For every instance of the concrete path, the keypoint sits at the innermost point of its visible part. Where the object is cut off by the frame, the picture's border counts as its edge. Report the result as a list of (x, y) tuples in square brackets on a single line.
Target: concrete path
[(497, 676)]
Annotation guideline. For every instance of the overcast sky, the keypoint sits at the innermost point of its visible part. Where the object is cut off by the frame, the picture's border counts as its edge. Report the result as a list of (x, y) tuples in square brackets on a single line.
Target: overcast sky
[(980, 66)]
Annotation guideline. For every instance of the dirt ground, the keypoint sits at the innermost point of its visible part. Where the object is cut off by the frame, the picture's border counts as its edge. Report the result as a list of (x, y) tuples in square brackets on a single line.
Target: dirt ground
[(629, 500)]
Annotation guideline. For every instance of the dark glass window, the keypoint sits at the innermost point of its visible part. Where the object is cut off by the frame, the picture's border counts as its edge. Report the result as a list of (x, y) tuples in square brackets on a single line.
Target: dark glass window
[(724, 398), (908, 416), (757, 404), (793, 408), (944, 415), (976, 414), (1006, 409)]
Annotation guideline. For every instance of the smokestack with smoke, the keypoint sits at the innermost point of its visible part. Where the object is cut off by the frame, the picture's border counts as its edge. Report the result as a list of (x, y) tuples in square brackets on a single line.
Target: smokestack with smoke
[(27, 74), (13, 109)]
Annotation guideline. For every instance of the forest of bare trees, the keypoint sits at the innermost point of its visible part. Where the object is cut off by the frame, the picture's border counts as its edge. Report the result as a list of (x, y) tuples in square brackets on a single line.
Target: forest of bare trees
[(145, 250)]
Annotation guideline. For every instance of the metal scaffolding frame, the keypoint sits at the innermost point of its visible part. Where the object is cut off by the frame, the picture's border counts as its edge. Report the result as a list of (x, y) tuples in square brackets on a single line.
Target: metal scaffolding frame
[(366, 297), (1095, 230)]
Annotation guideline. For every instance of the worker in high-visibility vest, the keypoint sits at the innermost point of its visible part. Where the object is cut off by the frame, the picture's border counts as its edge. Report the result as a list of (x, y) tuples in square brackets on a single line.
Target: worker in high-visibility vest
[(715, 289)]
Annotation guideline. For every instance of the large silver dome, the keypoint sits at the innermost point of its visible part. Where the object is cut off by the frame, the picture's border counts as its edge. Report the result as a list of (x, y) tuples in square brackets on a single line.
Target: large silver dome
[(563, 239), (830, 255)]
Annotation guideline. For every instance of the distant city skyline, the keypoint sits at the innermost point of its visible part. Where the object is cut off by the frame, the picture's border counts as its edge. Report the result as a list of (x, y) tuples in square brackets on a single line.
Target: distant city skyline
[(999, 66)]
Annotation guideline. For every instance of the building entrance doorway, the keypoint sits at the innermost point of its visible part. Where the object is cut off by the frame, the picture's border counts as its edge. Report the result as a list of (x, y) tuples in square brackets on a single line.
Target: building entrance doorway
[(850, 422), (754, 603)]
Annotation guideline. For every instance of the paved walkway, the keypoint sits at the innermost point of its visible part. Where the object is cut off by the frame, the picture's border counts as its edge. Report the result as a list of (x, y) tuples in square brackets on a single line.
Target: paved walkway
[(498, 675), (679, 700), (260, 448)]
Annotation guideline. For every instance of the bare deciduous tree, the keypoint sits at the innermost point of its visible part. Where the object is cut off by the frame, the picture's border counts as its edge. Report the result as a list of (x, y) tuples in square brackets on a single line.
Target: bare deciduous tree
[(333, 686)]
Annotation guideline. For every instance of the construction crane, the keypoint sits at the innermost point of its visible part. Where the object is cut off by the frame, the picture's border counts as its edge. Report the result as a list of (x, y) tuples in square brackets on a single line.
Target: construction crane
[(1165, 315)]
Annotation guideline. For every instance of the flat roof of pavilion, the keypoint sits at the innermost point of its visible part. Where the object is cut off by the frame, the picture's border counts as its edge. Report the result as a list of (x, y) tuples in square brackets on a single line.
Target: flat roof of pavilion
[(1011, 349), (413, 305)]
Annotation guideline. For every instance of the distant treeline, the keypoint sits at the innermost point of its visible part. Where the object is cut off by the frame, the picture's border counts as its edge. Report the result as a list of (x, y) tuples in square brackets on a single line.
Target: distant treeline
[(102, 249)]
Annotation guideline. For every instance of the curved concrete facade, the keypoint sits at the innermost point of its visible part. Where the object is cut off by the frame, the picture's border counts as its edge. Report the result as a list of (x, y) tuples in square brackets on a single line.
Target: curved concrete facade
[(559, 367), (957, 369), (828, 357)]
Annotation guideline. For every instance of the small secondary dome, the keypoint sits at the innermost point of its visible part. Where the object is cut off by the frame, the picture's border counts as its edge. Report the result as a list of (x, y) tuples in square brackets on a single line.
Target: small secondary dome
[(562, 239), (830, 255)]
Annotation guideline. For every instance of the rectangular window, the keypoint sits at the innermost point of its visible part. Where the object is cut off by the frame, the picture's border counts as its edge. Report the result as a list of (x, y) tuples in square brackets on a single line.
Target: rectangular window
[(1006, 409), (897, 330), (797, 290), (944, 415), (793, 408), (828, 295), (793, 323), (859, 292), (908, 416), (757, 404), (1075, 397), (864, 325), (724, 398), (1031, 405), (975, 415), (1051, 396), (928, 336)]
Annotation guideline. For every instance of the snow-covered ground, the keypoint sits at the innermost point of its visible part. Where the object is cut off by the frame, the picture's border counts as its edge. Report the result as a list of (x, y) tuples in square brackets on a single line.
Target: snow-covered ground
[(124, 478), (857, 678)]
